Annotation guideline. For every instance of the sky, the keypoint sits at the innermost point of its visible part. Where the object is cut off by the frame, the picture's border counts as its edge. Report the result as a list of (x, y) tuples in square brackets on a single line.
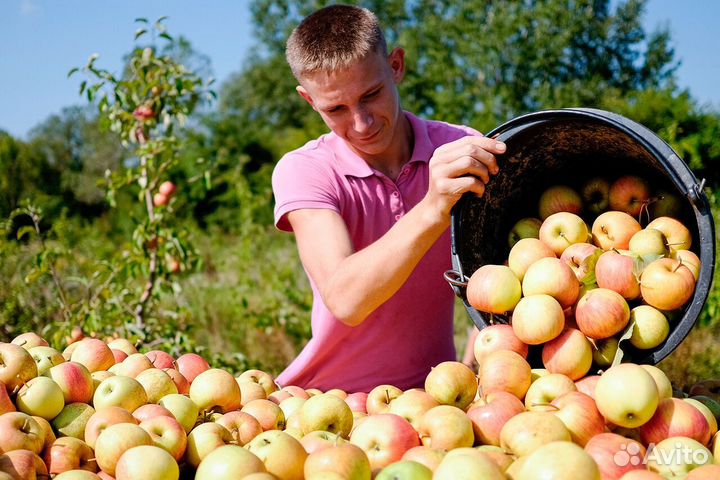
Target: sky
[(41, 40)]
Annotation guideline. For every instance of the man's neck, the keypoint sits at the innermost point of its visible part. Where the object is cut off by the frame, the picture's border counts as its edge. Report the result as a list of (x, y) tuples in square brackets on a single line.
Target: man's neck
[(394, 158)]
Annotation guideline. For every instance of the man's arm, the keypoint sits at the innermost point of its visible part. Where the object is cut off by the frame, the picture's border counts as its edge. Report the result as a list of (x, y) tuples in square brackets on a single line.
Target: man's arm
[(354, 284)]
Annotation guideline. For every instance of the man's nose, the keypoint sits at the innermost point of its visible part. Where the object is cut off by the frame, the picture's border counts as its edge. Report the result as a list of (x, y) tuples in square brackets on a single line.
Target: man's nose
[(362, 120)]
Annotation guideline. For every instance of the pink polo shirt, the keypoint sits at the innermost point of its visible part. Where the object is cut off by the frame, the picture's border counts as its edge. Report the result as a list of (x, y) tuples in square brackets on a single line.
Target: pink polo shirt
[(411, 332)]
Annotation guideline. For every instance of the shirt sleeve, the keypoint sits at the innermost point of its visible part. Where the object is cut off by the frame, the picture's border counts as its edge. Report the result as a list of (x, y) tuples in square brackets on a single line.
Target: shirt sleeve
[(300, 181)]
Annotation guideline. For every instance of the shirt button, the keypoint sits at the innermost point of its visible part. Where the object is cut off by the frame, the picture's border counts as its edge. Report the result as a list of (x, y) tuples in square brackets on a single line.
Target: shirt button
[(395, 194), (406, 170), (397, 217)]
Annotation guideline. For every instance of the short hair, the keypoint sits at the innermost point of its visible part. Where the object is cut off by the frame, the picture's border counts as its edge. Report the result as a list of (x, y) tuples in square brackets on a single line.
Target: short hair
[(332, 39)]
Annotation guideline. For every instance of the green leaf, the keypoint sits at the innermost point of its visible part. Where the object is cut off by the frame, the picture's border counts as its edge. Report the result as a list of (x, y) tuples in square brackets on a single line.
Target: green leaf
[(167, 37), (140, 32), (141, 20), (25, 230), (72, 72)]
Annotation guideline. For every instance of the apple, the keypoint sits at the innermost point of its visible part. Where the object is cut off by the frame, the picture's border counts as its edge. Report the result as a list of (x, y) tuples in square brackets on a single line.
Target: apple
[(345, 461), (678, 456), (190, 365), (580, 415), (604, 350), (601, 313), (707, 413), (627, 395), (706, 472), (160, 200), (183, 409), (537, 319), (690, 260), (150, 410), (19, 431), (467, 463), (132, 365), (430, 457), (675, 418), (552, 277), (490, 413), (167, 188), (320, 439), (94, 354), (338, 392), (446, 427), (229, 462), (665, 204), (216, 390), (268, 414), (6, 404), (493, 289), (98, 377), (120, 391), (242, 426), (156, 383), (292, 405), (570, 354), (667, 284), (582, 258), (16, 366), (678, 236), (250, 391), (119, 356), (453, 383), (203, 439), (650, 327), (122, 344), (504, 370), (42, 397), (546, 389), (526, 252), (29, 340), (527, 431), (263, 378), (48, 433), (74, 380), (380, 397), (615, 455), (45, 358), (384, 437), (595, 195), (629, 194), (614, 230), (649, 242), (405, 469), (587, 385), (68, 453), (524, 228), (497, 337), (617, 272), (168, 434), (102, 419), (559, 198), (182, 384), (283, 455), (72, 420), (412, 405), (357, 401), (560, 230), (559, 459), (326, 412), (22, 465), (147, 462), (160, 359), (661, 381)]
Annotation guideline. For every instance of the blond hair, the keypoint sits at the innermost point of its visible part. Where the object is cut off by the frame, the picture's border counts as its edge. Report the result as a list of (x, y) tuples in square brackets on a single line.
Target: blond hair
[(332, 39)]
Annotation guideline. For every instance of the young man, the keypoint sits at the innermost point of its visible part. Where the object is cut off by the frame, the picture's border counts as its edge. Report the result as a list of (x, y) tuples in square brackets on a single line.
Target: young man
[(369, 204)]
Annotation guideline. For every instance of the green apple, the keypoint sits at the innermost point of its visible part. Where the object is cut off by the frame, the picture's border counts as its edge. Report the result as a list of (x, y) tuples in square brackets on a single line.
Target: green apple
[(524, 228), (203, 439), (72, 420), (156, 383), (120, 391), (651, 327), (627, 395), (405, 469), (45, 358), (215, 390), (228, 463), (183, 409), (326, 412), (453, 383), (42, 397)]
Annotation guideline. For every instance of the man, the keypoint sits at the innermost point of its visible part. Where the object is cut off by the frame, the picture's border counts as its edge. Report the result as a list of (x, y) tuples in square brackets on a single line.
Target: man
[(369, 204)]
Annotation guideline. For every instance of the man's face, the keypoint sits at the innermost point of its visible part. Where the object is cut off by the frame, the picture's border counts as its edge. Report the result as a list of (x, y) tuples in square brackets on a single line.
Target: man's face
[(360, 104)]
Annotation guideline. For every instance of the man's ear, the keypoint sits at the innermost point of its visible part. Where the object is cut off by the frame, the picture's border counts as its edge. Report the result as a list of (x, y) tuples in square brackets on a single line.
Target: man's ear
[(396, 60), (304, 93)]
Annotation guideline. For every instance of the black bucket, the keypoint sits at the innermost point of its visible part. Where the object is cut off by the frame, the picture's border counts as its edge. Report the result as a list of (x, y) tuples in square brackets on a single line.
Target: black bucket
[(566, 147)]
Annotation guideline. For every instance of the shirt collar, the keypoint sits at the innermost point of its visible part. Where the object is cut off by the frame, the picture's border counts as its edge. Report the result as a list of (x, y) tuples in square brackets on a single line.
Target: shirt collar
[(352, 165)]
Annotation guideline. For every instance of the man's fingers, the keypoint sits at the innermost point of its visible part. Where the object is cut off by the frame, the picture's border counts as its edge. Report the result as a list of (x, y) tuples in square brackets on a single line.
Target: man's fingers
[(460, 185), (480, 148), (464, 166)]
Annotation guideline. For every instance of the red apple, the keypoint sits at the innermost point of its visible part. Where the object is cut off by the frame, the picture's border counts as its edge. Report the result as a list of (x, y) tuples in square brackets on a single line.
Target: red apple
[(22, 465), (430, 457), (506, 371), (74, 380), (342, 461), (150, 410), (629, 194), (675, 418), (29, 340), (160, 200), (587, 384), (191, 365), (497, 337), (167, 188), (559, 198), (580, 415), (384, 437), (601, 313), (19, 431), (160, 359), (667, 284), (182, 384), (94, 354), (68, 453), (147, 462), (490, 413), (552, 277), (581, 258), (270, 415), (16, 366), (493, 289), (167, 434), (570, 353), (132, 365), (242, 426), (617, 272), (615, 455), (614, 230), (526, 252), (357, 401)]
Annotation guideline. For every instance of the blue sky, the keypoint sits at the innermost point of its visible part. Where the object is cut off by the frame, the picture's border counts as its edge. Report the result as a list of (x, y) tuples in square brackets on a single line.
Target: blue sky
[(41, 40)]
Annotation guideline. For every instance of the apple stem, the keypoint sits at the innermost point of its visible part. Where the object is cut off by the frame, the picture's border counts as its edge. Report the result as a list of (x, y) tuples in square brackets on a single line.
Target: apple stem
[(680, 264), (387, 396)]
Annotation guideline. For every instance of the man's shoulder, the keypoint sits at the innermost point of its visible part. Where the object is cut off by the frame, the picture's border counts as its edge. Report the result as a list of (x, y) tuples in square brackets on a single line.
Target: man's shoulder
[(446, 131)]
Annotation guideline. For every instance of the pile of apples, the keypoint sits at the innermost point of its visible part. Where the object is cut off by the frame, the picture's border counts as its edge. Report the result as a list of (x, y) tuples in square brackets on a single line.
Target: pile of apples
[(578, 288), (102, 410)]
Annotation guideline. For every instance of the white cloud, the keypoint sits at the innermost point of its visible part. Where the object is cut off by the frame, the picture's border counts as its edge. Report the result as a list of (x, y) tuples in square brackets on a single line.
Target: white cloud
[(28, 7)]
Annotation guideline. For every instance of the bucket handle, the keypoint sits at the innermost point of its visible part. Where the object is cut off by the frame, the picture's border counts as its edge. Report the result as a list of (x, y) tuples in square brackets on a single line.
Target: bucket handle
[(455, 279)]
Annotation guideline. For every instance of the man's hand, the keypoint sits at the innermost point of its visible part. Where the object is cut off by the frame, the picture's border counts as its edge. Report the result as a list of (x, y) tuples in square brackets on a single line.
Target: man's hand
[(464, 165)]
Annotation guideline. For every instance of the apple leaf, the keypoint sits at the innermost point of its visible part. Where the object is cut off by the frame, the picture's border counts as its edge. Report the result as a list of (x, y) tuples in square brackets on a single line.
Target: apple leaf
[(627, 333)]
